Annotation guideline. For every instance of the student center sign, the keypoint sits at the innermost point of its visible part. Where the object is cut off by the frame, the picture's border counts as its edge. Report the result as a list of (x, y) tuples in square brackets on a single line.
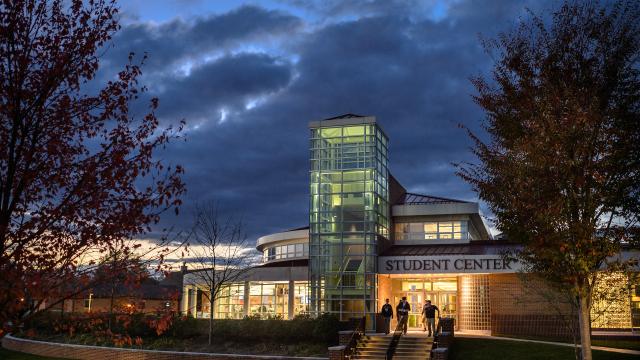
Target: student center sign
[(445, 264), (369, 239)]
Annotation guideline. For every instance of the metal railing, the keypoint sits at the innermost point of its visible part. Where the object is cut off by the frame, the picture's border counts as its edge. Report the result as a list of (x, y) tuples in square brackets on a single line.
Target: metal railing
[(393, 344), (358, 332)]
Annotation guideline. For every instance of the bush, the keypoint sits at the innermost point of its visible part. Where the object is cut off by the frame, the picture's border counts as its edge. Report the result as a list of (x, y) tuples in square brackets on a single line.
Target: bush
[(321, 330)]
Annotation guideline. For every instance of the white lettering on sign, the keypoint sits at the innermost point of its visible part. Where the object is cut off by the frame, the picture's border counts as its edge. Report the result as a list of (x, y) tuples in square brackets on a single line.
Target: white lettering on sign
[(446, 264)]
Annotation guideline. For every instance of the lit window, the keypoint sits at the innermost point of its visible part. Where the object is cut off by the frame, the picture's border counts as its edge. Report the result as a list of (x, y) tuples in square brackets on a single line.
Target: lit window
[(431, 230), (431, 227)]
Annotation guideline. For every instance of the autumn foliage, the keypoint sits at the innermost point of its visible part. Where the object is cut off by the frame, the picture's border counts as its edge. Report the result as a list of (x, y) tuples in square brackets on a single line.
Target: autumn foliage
[(77, 169), (561, 167)]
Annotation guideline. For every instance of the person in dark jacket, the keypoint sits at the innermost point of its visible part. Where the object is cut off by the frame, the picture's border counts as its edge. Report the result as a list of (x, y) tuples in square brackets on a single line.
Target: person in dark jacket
[(402, 310), (429, 317), (387, 315)]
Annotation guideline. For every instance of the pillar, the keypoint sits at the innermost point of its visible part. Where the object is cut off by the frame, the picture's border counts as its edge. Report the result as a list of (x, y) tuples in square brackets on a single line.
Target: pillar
[(292, 289), (246, 298), (184, 303)]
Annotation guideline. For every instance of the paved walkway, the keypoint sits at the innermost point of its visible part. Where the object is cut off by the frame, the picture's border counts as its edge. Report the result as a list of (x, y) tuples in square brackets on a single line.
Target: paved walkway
[(601, 348)]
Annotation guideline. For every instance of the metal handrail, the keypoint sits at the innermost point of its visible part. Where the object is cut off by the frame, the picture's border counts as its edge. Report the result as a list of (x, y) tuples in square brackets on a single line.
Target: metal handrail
[(353, 341), (393, 344)]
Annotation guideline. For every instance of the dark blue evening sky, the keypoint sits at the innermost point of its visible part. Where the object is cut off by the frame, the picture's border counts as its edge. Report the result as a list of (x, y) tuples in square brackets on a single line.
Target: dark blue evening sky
[(249, 76)]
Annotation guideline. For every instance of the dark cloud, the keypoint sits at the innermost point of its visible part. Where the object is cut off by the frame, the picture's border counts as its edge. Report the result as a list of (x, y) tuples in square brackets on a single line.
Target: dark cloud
[(402, 64), (230, 83), (180, 40)]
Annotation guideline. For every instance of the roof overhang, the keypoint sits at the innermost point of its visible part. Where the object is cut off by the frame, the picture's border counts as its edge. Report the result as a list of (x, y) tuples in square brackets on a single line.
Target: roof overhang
[(302, 234), (463, 208), (359, 120)]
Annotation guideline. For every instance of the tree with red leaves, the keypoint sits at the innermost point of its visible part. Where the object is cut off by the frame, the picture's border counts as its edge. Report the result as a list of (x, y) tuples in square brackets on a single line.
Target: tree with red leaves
[(77, 171), (561, 167)]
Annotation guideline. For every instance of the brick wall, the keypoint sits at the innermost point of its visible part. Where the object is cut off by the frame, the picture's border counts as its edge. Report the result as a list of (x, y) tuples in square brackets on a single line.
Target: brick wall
[(524, 306), (97, 352)]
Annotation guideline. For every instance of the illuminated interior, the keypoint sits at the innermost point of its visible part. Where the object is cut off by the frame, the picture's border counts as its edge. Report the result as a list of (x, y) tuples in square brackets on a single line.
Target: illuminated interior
[(348, 211)]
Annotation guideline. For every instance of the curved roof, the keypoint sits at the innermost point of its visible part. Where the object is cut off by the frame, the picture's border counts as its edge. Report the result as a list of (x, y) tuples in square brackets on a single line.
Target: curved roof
[(300, 233)]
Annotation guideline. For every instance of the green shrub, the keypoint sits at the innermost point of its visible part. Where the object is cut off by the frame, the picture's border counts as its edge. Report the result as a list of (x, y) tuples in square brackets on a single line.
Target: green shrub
[(321, 330)]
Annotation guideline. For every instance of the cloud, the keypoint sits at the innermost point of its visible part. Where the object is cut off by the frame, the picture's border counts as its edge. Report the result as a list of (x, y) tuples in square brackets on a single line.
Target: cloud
[(228, 83), (266, 73), (176, 41)]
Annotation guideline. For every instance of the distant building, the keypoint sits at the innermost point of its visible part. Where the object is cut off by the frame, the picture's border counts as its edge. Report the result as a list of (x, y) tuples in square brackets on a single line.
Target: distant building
[(147, 297), (368, 239)]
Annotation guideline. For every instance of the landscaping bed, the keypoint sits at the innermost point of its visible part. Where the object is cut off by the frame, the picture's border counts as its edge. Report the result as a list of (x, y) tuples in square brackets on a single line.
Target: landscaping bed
[(302, 336)]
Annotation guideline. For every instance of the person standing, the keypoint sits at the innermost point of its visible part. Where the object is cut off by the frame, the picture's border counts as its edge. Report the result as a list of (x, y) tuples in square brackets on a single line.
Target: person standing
[(402, 310), (429, 317), (387, 315)]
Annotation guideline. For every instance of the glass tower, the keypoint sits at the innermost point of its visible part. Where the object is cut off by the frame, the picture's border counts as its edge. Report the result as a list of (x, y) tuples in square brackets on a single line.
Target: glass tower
[(349, 215)]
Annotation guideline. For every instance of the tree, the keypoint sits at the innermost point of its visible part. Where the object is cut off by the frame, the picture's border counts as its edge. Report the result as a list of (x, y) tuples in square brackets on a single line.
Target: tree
[(560, 168), (219, 252), (77, 171), (118, 273)]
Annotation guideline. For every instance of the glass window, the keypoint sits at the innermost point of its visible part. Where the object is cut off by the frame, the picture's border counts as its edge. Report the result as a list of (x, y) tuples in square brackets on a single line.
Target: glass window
[(431, 227), (354, 130), (230, 303), (431, 230), (445, 227), (331, 132), (299, 250), (300, 298), (269, 300)]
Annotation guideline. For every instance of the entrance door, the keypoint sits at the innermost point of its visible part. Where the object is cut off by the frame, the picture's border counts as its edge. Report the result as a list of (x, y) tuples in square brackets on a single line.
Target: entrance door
[(415, 300), (441, 292), (445, 301)]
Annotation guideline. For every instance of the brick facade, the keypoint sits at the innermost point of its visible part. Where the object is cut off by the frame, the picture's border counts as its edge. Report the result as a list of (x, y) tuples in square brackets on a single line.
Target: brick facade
[(524, 306)]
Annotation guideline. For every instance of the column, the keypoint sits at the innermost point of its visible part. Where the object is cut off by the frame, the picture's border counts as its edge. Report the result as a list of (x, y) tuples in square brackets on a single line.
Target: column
[(246, 298), (292, 289), (184, 303)]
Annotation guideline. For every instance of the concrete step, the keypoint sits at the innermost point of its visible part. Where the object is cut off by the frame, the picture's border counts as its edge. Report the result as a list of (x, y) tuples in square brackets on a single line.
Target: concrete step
[(376, 343), (369, 356), (372, 345), (377, 349), (366, 343), (386, 341), (376, 338), (412, 351), (368, 352), (414, 346)]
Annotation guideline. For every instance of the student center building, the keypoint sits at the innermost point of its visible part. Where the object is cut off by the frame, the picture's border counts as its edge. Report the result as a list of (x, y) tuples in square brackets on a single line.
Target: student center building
[(369, 240)]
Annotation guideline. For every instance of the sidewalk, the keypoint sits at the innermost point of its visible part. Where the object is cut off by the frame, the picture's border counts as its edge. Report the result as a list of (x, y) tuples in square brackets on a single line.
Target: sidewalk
[(601, 348)]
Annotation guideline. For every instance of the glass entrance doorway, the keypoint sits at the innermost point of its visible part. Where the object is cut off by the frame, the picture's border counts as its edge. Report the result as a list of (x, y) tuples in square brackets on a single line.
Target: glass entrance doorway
[(443, 292)]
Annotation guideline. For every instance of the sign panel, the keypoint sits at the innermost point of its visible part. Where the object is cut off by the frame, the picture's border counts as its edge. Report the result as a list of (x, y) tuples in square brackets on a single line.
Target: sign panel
[(444, 264)]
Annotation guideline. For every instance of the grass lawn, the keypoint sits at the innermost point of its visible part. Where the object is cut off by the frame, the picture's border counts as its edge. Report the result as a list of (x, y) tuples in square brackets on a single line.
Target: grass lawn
[(12, 355), (481, 349), (620, 344)]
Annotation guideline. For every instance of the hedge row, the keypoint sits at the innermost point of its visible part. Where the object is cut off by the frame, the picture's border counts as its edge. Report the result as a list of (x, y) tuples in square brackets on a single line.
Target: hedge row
[(323, 329)]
